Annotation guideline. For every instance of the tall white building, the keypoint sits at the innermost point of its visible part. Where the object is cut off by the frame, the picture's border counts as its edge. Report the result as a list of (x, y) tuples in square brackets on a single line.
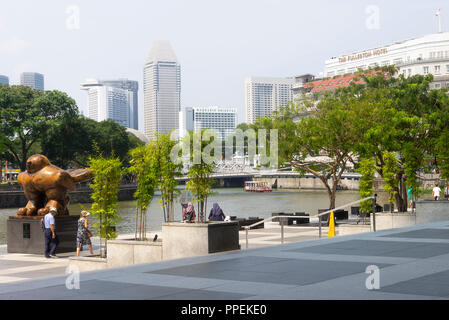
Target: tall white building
[(162, 90), (132, 86), (421, 55), (222, 120), (265, 95), (32, 79), (113, 107), (186, 116)]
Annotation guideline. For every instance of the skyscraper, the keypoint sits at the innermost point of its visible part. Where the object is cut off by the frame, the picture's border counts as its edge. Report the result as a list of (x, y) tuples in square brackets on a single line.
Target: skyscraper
[(109, 102), (265, 95), (133, 86), (32, 79), (4, 79), (161, 89)]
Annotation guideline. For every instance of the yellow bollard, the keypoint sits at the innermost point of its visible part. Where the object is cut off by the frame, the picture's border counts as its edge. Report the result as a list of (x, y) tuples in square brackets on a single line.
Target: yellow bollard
[(331, 232)]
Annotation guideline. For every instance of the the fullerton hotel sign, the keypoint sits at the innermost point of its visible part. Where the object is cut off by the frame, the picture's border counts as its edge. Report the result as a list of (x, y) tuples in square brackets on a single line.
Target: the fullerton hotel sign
[(363, 55)]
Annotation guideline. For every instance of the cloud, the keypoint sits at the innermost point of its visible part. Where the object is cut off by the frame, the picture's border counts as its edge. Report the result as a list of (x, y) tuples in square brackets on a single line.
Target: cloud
[(13, 45)]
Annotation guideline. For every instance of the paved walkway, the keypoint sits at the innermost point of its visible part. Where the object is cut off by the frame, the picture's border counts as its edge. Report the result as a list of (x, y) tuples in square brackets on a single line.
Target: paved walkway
[(412, 263)]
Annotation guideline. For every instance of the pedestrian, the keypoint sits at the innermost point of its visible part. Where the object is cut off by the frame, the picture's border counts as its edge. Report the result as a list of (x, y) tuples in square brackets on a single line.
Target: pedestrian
[(83, 235), (216, 214), (436, 192), (410, 197), (189, 214), (446, 191), (50, 234)]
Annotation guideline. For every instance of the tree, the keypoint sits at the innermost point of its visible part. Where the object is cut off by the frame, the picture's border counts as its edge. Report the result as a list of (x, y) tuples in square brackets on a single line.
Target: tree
[(166, 171), (70, 142), (322, 143), (26, 114), (200, 181), (143, 168), (107, 174), (401, 121)]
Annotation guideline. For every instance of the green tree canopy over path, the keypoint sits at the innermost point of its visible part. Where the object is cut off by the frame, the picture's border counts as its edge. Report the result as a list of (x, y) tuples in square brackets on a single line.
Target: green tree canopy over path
[(26, 114), (387, 116)]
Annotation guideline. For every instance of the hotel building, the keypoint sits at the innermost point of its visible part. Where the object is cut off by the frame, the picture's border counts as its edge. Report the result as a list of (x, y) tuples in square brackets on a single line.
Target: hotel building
[(108, 103), (265, 95), (421, 55), (222, 120)]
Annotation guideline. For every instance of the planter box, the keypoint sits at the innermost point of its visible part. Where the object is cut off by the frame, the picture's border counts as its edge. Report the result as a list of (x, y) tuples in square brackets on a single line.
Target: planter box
[(128, 252), (388, 220), (87, 263), (25, 235), (194, 239), (428, 211)]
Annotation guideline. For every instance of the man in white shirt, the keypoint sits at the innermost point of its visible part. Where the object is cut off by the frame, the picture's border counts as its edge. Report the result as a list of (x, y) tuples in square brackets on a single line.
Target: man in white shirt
[(50, 234), (436, 192)]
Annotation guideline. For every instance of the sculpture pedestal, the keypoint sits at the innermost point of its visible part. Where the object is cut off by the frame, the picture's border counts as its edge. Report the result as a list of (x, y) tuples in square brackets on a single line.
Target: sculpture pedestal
[(25, 235)]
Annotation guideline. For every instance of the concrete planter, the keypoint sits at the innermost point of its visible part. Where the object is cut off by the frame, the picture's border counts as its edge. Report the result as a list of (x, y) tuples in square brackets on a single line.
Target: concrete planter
[(87, 263), (428, 211), (128, 252), (388, 220), (194, 239)]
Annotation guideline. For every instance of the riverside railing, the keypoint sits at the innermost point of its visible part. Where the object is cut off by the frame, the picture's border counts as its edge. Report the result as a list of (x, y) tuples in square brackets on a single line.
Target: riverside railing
[(314, 216)]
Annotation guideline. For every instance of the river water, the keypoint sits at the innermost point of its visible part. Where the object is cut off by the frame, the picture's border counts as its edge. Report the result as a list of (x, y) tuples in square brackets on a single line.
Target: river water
[(233, 201)]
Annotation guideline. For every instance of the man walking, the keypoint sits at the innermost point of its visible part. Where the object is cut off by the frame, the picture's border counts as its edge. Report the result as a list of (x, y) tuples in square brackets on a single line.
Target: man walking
[(50, 234)]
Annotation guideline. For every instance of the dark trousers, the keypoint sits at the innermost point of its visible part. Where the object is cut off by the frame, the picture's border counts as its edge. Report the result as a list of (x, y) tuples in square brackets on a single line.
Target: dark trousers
[(49, 240)]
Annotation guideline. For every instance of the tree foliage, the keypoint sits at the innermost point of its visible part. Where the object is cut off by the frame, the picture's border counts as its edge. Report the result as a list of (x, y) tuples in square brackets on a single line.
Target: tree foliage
[(107, 174), (27, 114)]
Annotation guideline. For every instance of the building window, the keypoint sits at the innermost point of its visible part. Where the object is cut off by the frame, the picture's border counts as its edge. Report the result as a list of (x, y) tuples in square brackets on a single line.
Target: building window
[(437, 85), (437, 69), (447, 68), (409, 72), (426, 70)]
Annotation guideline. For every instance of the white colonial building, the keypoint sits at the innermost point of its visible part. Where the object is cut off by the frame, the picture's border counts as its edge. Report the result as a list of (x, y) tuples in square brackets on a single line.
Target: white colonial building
[(422, 55)]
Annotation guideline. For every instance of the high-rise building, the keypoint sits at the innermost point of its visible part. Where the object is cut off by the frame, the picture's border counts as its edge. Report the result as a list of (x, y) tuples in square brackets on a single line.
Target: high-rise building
[(32, 79), (108, 102), (265, 95), (133, 86), (115, 101), (185, 121), (162, 90), (4, 79), (222, 120)]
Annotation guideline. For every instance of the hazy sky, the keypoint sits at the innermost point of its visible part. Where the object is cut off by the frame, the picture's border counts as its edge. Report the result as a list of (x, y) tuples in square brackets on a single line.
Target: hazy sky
[(218, 43)]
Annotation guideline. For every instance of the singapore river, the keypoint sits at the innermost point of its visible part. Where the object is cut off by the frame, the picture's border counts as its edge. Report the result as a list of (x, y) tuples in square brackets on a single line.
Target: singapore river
[(233, 201)]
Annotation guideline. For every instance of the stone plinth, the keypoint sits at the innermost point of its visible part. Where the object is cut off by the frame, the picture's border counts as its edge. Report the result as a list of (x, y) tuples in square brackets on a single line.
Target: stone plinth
[(182, 240), (428, 211), (128, 252), (391, 220), (25, 235)]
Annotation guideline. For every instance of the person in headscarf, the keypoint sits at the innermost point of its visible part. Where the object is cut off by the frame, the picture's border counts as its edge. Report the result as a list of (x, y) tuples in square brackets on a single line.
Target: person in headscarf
[(189, 214), (216, 214)]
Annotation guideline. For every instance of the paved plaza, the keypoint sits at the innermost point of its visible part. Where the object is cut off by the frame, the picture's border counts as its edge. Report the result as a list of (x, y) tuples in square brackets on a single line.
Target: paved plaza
[(413, 263)]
